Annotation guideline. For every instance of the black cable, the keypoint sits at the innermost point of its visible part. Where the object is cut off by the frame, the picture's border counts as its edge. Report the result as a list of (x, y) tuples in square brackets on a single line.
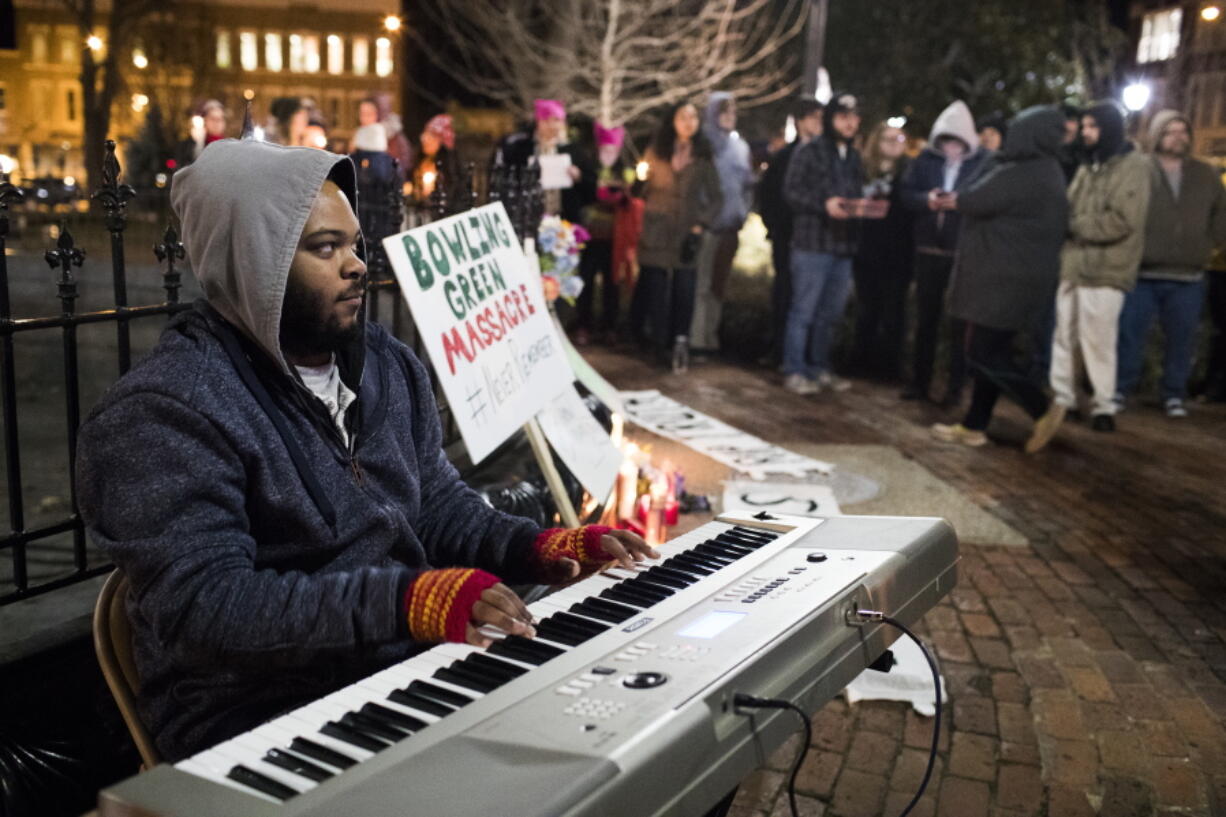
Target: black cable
[(744, 701), (867, 616)]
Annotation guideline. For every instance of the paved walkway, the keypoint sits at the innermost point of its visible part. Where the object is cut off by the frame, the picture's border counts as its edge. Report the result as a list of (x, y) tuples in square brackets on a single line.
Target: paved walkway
[(1086, 671)]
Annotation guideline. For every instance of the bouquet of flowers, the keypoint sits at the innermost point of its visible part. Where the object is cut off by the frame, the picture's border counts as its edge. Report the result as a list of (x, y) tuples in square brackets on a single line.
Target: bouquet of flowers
[(559, 243)]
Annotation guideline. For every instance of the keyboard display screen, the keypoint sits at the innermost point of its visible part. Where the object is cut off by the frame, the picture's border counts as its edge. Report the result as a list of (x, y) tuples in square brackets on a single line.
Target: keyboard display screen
[(712, 624)]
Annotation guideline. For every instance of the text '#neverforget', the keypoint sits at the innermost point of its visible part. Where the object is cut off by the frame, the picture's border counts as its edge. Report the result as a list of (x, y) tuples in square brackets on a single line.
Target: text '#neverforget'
[(458, 257)]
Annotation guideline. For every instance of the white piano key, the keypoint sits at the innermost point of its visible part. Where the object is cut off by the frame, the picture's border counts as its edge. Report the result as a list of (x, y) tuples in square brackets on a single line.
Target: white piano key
[(457, 652)]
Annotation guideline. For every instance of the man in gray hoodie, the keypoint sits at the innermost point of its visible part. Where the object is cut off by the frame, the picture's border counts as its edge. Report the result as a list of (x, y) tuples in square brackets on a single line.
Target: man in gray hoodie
[(1187, 219), (271, 477)]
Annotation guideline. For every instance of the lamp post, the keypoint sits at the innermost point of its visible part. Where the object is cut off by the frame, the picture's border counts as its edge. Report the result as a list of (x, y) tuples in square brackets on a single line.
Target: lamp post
[(1136, 96)]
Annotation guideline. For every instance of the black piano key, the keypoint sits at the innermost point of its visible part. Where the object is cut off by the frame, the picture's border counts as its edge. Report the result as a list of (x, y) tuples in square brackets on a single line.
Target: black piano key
[(488, 663), (659, 571), (529, 652), (592, 628), (557, 632), (604, 610), (535, 646), (717, 559), (716, 553), (438, 693), (696, 564), (738, 541), (341, 732), (420, 703), (733, 548), (374, 726), (462, 679), (401, 720), (655, 591), (627, 596), (260, 782), (295, 764), (330, 756), (768, 536)]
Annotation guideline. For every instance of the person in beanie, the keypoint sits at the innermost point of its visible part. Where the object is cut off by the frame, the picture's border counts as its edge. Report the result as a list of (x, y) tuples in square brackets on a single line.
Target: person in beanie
[(436, 161), (952, 157), (300, 527), (1187, 219), (549, 135), (823, 179), (1108, 200), (1015, 217), (776, 216)]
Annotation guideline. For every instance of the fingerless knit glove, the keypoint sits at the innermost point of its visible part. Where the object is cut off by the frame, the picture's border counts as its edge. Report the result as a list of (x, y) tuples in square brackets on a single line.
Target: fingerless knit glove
[(581, 544), (438, 603)]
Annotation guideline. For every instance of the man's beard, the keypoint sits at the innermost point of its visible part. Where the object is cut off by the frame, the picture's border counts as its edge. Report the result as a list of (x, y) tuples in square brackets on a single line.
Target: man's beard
[(1174, 154), (304, 328)]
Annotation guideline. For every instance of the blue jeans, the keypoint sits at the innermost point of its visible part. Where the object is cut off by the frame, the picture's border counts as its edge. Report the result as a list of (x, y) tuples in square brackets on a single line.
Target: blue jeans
[(821, 284), (1178, 304)]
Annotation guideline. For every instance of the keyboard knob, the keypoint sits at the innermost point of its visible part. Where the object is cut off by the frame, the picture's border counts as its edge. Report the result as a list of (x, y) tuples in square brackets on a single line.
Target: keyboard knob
[(644, 680)]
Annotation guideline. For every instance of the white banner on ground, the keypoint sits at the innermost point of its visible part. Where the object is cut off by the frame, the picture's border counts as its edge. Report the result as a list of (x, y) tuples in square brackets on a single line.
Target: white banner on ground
[(717, 440), (581, 442), (483, 322), (786, 498)]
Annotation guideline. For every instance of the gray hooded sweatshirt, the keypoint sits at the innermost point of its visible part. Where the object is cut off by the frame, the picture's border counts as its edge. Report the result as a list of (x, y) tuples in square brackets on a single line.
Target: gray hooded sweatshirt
[(268, 558), (732, 165)]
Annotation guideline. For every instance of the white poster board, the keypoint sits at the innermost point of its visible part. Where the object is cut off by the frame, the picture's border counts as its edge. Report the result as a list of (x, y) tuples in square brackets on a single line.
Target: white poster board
[(581, 442), (783, 498), (483, 321)]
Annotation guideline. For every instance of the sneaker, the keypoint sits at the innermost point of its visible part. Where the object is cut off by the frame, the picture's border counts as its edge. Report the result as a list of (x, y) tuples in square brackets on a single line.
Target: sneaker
[(1175, 408), (799, 384), (681, 355), (1045, 428), (959, 433), (829, 380), (1119, 402), (1102, 422)]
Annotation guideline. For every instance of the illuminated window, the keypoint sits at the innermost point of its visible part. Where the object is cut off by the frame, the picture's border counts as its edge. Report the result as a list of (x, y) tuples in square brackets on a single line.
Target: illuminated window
[(248, 50), (361, 55), (303, 53), (1159, 35), (272, 52), (383, 56), (223, 49), (38, 45), (310, 49), (336, 54), (70, 48)]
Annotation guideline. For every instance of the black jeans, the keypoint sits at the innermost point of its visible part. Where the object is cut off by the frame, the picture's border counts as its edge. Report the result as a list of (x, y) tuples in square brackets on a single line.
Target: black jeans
[(1215, 374), (663, 304), (931, 279), (881, 315), (597, 260), (995, 369)]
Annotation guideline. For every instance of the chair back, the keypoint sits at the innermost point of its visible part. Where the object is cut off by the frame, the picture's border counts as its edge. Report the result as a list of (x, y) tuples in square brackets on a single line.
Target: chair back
[(113, 645)]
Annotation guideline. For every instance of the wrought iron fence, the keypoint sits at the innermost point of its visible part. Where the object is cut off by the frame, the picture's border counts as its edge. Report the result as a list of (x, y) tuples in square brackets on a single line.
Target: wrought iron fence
[(381, 203)]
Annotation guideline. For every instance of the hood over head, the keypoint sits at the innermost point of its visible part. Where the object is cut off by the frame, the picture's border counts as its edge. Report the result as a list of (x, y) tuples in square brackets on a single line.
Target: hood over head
[(242, 206), (1036, 132), (956, 120), (1112, 139), (1159, 123), (710, 119)]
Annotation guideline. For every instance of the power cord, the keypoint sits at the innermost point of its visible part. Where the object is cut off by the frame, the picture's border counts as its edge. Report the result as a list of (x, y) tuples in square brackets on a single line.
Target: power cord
[(874, 616), (743, 701)]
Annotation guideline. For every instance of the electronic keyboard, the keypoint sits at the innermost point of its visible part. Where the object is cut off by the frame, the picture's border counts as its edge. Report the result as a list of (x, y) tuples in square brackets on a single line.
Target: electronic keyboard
[(621, 705)]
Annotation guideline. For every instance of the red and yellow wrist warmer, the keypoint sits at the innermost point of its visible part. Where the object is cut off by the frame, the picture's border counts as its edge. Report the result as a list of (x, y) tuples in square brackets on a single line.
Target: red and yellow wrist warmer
[(438, 603), (581, 544)]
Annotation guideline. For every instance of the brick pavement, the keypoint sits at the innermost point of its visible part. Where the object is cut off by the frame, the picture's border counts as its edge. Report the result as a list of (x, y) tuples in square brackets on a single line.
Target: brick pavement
[(1086, 672)]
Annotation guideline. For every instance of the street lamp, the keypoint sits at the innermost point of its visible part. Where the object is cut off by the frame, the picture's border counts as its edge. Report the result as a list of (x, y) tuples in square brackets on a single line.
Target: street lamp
[(1210, 13), (139, 59), (391, 22), (94, 42), (1136, 96)]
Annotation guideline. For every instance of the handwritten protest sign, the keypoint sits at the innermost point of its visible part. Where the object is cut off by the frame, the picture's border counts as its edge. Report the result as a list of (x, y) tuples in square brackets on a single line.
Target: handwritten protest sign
[(482, 320), (581, 442)]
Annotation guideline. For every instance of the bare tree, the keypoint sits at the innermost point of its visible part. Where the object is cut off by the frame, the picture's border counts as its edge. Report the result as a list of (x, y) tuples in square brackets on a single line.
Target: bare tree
[(99, 93), (614, 60)]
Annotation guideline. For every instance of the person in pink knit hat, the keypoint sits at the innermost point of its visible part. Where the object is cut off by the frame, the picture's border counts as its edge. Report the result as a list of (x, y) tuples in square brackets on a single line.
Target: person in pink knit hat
[(548, 135), (436, 161)]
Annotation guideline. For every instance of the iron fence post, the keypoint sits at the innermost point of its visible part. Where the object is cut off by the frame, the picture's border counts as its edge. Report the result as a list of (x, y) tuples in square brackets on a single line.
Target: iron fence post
[(115, 197), (170, 250), (9, 194), (65, 256)]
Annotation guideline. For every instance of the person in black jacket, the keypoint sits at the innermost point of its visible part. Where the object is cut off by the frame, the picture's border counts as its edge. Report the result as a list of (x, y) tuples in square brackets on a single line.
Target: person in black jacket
[(951, 158), (1015, 218), (882, 268), (776, 216), (549, 135)]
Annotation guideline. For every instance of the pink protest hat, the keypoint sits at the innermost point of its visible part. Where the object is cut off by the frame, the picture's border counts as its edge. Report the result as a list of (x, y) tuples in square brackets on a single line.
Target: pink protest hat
[(549, 109)]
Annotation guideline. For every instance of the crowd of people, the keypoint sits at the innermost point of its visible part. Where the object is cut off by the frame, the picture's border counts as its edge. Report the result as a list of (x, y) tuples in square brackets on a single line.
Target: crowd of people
[(1052, 234)]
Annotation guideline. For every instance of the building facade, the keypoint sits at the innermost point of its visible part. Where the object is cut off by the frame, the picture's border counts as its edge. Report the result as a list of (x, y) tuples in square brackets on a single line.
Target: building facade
[(1179, 52), (332, 52)]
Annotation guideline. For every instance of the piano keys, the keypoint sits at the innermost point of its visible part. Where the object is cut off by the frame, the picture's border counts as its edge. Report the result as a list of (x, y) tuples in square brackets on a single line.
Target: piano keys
[(623, 696)]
